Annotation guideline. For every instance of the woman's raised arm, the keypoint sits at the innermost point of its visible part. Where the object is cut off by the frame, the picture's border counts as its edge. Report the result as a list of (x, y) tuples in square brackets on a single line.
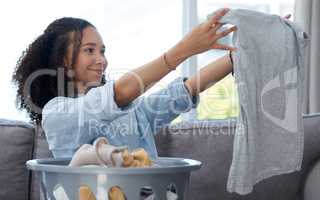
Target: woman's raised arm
[(209, 75), (202, 38)]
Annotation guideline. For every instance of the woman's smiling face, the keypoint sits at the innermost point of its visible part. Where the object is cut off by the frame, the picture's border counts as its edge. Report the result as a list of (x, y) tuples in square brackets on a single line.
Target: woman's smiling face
[(91, 62)]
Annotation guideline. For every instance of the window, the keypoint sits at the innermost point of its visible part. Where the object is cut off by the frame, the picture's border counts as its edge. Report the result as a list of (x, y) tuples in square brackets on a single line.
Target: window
[(221, 101)]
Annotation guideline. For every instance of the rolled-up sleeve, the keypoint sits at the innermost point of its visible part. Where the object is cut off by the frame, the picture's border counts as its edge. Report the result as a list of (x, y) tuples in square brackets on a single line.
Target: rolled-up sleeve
[(161, 107), (101, 101), (67, 121)]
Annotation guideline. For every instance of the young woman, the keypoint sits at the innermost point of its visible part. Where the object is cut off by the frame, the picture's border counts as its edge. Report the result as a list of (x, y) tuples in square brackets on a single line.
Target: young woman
[(61, 84)]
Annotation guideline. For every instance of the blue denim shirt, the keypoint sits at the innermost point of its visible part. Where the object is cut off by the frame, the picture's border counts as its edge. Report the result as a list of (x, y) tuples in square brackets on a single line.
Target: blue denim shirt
[(70, 122)]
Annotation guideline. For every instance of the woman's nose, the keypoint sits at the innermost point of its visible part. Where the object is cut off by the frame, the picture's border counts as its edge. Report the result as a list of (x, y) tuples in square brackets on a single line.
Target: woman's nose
[(101, 60)]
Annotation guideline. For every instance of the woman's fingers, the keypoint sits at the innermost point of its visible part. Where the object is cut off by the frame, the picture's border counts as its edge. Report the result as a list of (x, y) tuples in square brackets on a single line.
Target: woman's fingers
[(214, 28), (223, 47), (203, 36), (224, 33), (216, 17)]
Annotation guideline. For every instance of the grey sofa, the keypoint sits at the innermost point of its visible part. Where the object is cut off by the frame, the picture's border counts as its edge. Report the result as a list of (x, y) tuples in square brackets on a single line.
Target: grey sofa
[(210, 142)]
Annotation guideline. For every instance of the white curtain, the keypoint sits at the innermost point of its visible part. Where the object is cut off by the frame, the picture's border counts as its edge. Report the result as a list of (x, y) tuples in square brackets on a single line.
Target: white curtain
[(307, 14)]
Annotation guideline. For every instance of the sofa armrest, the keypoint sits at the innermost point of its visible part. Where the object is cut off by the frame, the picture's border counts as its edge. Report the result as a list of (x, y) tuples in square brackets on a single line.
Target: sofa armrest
[(311, 187), (16, 147)]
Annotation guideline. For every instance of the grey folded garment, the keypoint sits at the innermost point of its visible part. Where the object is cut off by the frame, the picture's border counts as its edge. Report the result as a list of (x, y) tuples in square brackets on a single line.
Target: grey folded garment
[(268, 69)]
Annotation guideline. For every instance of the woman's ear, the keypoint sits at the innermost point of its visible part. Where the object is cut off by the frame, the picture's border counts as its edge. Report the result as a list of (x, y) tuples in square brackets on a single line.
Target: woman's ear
[(67, 60), (65, 63), (67, 67)]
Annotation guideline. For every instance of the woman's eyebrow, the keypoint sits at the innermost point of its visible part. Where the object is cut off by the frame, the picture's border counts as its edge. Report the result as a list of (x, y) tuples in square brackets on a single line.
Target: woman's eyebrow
[(93, 44)]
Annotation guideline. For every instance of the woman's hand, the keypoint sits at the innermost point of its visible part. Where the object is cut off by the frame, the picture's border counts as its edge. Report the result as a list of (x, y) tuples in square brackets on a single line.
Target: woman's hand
[(204, 36)]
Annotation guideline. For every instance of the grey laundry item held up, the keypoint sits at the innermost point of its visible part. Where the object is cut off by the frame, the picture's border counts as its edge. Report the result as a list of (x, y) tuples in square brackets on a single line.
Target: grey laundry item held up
[(268, 69)]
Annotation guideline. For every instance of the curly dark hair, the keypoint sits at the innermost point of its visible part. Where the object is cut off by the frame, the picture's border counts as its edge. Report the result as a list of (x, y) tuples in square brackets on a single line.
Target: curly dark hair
[(38, 69)]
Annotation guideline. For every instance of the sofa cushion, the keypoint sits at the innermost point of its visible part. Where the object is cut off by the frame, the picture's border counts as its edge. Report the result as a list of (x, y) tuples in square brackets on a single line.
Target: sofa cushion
[(16, 142)]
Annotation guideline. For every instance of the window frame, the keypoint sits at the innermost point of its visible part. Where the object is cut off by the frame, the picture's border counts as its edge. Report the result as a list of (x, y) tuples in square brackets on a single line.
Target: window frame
[(190, 66)]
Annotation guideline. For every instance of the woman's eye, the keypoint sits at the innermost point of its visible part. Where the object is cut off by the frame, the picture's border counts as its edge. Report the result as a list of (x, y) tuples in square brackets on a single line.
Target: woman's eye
[(89, 50)]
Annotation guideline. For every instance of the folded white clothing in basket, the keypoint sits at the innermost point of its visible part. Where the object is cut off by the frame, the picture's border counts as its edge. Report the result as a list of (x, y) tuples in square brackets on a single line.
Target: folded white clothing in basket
[(104, 154)]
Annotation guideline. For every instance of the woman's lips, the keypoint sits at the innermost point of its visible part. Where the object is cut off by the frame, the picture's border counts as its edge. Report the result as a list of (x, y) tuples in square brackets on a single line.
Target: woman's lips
[(97, 70)]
